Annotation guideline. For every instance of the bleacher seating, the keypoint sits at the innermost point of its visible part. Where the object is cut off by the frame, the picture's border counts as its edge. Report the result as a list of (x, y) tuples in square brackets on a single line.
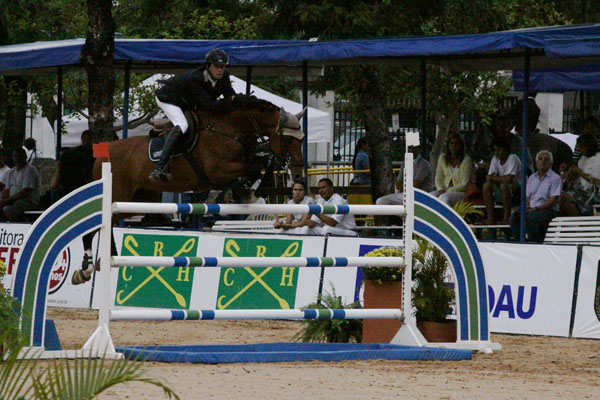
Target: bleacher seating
[(574, 230)]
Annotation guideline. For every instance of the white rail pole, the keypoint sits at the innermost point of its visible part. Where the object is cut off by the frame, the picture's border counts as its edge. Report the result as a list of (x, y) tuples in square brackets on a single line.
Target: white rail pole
[(143, 261), (294, 314), (225, 209)]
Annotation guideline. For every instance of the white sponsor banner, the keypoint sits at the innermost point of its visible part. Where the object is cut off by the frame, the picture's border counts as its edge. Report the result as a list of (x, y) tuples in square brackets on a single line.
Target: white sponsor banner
[(530, 287), (60, 291), (348, 281), (587, 312)]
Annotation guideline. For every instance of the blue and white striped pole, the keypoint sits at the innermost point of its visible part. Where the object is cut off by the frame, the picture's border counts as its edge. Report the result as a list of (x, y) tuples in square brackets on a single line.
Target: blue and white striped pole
[(225, 209), (228, 262), (295, 314)]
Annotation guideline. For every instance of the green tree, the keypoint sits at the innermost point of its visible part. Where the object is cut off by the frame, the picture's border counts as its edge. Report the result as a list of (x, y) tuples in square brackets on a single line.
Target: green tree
[(368, 89)]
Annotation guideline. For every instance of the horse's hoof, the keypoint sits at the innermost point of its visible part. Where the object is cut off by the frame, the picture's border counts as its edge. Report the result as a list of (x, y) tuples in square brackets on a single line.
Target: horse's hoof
[(79, 277)]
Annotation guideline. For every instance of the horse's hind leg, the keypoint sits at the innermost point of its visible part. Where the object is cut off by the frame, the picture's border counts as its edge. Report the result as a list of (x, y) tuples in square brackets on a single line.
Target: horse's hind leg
[(87, 265)]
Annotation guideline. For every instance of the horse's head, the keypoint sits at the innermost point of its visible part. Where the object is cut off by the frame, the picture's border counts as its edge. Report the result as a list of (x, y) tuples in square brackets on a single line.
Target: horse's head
[(286, 144)]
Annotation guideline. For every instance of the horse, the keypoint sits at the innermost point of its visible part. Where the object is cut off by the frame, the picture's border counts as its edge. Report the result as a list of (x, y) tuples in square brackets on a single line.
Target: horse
[(224, 151)]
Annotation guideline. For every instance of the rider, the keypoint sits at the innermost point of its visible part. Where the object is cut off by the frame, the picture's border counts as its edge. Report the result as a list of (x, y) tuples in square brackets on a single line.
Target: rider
[(201, 87)]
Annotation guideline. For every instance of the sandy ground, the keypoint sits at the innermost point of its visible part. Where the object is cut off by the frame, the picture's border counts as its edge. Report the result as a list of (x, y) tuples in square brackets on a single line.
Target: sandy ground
[(528, 367)]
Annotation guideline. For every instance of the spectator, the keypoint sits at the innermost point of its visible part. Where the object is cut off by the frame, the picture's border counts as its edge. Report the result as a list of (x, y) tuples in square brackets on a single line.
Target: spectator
[(4, 169), (482, 147), (86, 137), (250, 198), (591, 126), (422, 179), (337, 224), (22, 191), (293, 221), (453, 171), (502, 181), (585, 177), (543, 192), (536, 141), (30, 147), (361, 162)]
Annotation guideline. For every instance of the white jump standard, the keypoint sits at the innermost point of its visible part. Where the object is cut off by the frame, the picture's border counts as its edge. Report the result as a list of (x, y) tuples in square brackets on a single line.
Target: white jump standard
[(91, 207)]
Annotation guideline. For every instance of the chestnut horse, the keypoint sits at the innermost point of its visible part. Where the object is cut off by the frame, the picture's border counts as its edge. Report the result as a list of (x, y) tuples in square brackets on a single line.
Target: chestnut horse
[(225, 150)]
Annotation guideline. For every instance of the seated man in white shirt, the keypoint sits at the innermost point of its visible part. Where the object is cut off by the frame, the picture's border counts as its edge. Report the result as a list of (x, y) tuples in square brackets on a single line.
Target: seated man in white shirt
[(22, 191), (502, 181), (336, 224)]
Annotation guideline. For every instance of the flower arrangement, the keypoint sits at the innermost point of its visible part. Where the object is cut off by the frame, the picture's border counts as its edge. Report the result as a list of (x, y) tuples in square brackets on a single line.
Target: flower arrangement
[(383, 274)]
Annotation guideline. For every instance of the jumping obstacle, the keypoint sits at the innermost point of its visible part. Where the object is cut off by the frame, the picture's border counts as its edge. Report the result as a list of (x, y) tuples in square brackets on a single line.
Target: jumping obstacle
[(91, 207)]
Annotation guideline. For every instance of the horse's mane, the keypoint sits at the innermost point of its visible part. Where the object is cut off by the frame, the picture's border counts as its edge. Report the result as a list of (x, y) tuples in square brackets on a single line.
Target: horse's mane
[(242, 102)]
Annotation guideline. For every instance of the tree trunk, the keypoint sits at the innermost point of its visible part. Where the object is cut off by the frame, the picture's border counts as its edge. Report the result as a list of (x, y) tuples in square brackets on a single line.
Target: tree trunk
[(16, 113), (13, 100), (97, 56), (380, 160)]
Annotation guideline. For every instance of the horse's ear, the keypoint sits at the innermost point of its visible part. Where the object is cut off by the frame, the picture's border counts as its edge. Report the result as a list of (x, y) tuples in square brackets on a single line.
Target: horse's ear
[(283, 117), (301, 113)]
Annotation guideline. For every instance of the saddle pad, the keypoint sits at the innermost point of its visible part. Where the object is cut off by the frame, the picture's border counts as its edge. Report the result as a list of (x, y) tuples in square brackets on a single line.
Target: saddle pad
[(155, 148), (185, 142)]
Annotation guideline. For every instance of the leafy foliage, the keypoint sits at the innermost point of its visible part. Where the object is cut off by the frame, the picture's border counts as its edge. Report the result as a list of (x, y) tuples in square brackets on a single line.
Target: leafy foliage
[(9, 317), (331, 330), (431, 296), (383, 274), (14, 372), (83, 378)]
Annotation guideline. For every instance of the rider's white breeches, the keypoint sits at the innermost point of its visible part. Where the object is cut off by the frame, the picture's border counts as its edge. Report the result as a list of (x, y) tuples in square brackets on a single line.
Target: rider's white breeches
[(175, 114)]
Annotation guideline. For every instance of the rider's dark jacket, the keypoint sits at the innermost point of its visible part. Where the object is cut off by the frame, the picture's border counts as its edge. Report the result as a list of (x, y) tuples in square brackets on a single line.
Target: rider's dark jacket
[(195, 89)]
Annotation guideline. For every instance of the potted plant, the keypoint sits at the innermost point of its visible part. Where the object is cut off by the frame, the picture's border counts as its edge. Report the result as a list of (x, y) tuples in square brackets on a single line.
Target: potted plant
[(383, 289), (331, 330), (432, 297)]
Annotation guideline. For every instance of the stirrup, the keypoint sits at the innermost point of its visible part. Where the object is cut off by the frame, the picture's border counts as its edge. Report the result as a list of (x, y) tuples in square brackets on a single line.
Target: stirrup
[(159, 175)]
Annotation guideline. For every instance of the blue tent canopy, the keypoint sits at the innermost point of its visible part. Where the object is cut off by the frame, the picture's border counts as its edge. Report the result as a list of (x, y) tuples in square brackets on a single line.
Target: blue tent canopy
[(587, 45), (492, 51), (557, 80), (152, 54)]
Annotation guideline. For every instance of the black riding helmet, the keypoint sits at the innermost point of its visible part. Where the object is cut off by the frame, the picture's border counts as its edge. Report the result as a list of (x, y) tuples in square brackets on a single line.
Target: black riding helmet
[(216, 56)]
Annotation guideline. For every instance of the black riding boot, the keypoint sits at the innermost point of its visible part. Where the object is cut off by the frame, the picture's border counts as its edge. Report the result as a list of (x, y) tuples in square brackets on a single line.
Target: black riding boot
[(159, 173)]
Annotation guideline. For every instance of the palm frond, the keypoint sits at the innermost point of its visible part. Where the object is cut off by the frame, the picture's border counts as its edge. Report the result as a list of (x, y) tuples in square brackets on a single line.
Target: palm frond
[(464, 208), (86, 378), (14, 372)]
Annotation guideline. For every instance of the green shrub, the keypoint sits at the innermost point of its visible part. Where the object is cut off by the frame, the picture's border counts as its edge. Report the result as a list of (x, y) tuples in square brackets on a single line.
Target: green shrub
[(9, 317), (331, 330), (431, 296)]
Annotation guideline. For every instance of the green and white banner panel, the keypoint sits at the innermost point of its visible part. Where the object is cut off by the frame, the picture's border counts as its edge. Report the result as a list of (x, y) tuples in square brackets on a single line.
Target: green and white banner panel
[(214, 288)]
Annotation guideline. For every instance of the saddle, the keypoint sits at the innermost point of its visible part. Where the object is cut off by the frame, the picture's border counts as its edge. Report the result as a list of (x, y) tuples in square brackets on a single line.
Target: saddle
[(162, 126)]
